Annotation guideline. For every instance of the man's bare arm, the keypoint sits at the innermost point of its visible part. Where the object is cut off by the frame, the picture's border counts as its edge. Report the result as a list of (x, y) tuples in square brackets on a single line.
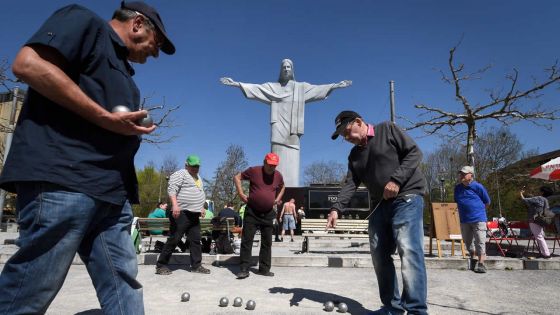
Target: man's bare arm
[(42, 68), (237, 182)]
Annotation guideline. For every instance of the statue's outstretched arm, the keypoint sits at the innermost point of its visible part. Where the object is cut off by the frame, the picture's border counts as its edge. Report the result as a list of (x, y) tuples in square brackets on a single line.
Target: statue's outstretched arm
[(229, 81), (342, 84)]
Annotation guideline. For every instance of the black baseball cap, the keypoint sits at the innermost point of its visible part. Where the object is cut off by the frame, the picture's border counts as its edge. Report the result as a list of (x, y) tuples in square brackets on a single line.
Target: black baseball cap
[(342, 120), (153, 15)]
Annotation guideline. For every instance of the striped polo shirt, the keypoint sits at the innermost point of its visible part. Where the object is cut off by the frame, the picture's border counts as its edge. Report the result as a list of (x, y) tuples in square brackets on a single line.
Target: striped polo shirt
[(190, 196)]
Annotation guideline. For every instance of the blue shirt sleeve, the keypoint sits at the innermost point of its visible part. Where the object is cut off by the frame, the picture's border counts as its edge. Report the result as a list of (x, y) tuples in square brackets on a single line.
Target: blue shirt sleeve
[(69, 30), (483, 194)]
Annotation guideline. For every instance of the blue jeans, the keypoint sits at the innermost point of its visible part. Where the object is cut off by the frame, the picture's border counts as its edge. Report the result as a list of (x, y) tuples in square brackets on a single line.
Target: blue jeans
[(397, 225), (55, 224)]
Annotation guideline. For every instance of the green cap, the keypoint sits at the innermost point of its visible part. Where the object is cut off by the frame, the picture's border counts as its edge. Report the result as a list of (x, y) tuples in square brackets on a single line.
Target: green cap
[(193, 160)]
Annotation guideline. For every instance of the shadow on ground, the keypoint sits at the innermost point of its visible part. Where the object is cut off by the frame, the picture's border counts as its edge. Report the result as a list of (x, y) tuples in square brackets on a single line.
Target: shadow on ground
[(91, 312), (354, 307)]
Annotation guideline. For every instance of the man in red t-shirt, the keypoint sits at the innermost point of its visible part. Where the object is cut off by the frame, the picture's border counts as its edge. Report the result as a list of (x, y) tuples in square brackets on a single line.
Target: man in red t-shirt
[(266, 187)]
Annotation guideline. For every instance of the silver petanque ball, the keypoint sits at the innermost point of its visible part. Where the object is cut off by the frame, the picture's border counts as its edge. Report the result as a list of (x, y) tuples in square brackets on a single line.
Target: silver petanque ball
[(185, 297), (224, 301), (237, 302), (120, 109), (146, 121), (251, 305), (329, 306), (342, 307)]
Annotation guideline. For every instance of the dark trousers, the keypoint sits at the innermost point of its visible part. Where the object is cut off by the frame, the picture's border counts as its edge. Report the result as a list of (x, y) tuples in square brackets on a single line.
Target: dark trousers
[(252, 221), (189, 223)]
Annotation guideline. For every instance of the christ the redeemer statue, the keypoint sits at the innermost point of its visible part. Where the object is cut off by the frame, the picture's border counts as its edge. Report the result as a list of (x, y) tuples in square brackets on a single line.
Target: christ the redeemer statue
[(287, 100)]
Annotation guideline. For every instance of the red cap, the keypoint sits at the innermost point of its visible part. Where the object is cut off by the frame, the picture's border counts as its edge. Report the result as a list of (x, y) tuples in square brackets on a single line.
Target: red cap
[(272, 159)]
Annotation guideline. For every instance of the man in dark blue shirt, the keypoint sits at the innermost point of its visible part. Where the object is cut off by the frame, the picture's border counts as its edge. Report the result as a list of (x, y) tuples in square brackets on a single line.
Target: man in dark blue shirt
[(228, 212), (72, 159)]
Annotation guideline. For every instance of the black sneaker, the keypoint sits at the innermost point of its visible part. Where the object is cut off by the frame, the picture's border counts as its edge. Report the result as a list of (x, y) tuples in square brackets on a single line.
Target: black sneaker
[(242, 274), (480, 268), (201, 269), (163, 270), (265, 273), (292, 240)]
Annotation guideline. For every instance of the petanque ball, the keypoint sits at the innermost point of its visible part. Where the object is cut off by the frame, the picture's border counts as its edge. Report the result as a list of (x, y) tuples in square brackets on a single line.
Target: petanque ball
[(146, 121), (329, 306), (224, 301), (185, 297), (342, 307), (251, 305), (120, 109), (237, 302)]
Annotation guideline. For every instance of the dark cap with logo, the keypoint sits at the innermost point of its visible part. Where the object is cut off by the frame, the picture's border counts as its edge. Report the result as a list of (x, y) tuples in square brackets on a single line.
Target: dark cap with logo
[(342, 120), (153, 15)]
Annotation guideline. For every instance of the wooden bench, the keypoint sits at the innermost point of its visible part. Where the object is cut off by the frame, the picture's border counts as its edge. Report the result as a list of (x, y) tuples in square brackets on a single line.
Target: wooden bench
[(345, 228), (143, 226)]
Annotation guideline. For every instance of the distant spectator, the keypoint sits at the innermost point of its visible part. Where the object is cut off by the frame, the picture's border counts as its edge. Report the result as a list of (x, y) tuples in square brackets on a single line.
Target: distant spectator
[(209, 214), (159, 212), (228, 212), (301, 213), (472, 199), (288, 218), (300, 216), (242, 212), (536, 205), (554, 203), (276, 222)]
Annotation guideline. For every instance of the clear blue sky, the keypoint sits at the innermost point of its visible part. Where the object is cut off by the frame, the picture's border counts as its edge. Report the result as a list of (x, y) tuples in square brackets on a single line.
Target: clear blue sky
[(368, 42)]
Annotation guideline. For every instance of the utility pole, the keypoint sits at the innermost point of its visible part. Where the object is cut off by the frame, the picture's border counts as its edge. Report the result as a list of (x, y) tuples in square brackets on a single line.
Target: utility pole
[(441, 176), (498, 188), (8, 144), (392, 99), (160, 179)]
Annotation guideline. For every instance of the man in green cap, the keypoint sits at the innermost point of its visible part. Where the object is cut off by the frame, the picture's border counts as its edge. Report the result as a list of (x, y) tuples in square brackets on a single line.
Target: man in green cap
[(186, 193)]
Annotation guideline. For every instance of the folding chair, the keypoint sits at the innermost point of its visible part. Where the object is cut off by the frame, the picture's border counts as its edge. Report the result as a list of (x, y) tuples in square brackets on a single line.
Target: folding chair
[(502, 238)]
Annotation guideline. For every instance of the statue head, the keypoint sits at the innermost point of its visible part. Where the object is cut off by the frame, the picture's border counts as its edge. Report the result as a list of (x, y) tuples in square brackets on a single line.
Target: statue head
[(286, 71)]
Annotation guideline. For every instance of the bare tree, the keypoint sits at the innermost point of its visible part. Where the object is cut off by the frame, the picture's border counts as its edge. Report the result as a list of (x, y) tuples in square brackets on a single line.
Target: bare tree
[(221, 186), (169, 165), (496, 150), (507, 107), (440, 168), (5, 79), (322, 172), (163, 120)]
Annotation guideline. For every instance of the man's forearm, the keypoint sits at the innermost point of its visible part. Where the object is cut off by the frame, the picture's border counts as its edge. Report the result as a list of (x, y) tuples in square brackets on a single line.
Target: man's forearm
[(238, 187), (42, 69), (280, 194)]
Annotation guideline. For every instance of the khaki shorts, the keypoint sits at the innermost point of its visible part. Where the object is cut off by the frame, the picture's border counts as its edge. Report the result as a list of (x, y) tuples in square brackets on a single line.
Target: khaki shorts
[(476, 232)]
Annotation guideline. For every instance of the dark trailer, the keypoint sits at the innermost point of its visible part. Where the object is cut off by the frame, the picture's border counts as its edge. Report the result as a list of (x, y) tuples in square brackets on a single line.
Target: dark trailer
[(318, 199)]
